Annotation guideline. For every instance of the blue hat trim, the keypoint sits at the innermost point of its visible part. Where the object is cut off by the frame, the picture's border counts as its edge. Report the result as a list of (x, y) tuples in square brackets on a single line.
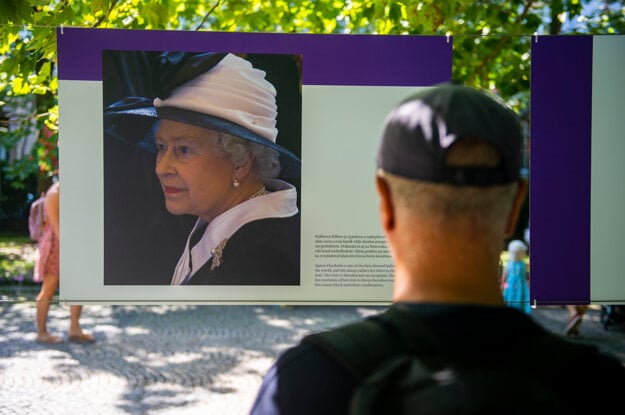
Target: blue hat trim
[(134, 120)]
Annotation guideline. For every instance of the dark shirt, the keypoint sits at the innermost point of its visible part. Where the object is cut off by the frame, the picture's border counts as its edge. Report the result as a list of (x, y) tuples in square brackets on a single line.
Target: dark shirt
[(262, 252), (305, 380)]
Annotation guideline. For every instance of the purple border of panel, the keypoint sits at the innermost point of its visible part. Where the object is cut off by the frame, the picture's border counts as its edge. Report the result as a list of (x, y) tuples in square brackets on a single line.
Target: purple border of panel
[(561, 121), (383, 60)]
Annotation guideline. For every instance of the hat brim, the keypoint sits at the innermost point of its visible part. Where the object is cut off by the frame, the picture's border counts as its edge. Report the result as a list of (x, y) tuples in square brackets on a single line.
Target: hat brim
[(132, 125), (134, 121)]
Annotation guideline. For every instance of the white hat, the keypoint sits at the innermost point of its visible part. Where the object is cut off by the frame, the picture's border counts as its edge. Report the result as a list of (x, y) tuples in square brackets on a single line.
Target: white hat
[(516, 246), (217, 91), (234, 91)]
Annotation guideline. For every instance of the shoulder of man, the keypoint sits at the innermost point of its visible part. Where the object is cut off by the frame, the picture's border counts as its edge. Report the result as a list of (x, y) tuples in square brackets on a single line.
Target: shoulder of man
[(304, 381)]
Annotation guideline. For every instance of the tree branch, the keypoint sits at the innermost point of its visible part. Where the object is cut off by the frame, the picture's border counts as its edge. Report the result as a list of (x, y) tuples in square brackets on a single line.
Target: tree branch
[(503, 40), (207, 15), (107, 14)]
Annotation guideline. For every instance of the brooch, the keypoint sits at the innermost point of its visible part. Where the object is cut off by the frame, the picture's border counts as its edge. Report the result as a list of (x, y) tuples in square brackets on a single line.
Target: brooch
[(217, 253)]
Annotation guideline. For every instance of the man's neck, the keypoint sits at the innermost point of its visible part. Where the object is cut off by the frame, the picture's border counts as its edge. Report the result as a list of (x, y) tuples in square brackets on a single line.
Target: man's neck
[(467, 279)]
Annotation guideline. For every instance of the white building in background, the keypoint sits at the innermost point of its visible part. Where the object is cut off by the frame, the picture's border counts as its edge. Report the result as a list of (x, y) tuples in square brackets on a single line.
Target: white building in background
[(18, 117)]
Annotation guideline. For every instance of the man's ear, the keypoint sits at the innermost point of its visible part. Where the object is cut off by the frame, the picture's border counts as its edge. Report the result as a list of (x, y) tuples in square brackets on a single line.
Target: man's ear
[(517, 204), (387, 213)]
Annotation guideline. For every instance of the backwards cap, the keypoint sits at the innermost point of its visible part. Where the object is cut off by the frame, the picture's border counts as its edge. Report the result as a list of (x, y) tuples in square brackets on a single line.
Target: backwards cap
[(419, 131)]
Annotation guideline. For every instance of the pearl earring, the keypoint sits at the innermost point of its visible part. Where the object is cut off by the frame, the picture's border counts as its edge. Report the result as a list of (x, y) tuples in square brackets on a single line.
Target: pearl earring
[(235, 183)]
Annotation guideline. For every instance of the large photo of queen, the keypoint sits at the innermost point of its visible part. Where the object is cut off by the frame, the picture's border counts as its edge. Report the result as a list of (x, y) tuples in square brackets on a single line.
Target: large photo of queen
[(201, 168)]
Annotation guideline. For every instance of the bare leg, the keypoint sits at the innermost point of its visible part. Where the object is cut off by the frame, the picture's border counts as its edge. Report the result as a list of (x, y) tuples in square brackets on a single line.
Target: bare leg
[(581, 309), (75, 331), (576, 316), (48, 289), (74, 320)]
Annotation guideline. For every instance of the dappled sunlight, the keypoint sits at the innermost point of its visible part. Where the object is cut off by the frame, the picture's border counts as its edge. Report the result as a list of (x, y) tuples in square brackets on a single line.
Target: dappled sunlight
[(370, 311), (108, 331), (164, 308), (276, 322), (136, 331), (163, 360)]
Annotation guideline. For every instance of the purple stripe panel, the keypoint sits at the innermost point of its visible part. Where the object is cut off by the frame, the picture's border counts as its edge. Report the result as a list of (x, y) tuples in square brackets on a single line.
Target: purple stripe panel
[(561, 110), (382, 60)]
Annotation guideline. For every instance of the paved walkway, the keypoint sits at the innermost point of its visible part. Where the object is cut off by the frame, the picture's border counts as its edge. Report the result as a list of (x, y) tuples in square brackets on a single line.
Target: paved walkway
[(174, 359)]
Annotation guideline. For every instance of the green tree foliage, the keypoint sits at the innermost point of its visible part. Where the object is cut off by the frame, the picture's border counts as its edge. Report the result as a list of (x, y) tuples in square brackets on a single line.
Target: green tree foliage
[(491, 40)]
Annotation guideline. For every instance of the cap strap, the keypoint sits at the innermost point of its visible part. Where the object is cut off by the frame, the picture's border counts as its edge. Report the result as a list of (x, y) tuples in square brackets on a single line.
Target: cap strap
[(475, 176)]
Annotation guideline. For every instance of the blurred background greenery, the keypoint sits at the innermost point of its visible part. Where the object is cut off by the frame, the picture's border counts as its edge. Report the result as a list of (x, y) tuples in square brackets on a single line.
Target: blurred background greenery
[(17, 260)]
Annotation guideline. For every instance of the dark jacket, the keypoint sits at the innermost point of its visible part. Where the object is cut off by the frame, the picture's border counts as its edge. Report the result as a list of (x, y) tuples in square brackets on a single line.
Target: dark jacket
[(262, 252), (307, 380)]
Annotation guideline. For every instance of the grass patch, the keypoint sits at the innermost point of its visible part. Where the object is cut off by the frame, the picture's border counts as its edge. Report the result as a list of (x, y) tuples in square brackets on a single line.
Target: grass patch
[(17, 260), (17, 239)]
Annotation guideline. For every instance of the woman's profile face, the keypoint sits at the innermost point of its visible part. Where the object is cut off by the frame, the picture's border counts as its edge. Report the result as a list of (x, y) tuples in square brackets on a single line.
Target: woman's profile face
[(195, 180)]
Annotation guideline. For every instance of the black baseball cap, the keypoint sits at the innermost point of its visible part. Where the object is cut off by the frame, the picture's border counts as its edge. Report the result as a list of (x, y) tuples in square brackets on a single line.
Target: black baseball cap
[(419, 131)]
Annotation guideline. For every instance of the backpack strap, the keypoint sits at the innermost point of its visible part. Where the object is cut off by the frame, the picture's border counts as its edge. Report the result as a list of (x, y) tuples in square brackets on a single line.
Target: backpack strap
[(361, 347), (410, 327)]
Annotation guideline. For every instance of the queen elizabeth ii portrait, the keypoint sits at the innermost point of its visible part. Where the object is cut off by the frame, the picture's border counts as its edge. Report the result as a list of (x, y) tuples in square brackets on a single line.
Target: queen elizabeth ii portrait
[(226, 189)]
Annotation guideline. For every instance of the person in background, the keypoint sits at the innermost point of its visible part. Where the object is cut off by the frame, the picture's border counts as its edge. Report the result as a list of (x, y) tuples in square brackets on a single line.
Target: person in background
[(450, 193), (47, 271), (515, 278), (576, 318)]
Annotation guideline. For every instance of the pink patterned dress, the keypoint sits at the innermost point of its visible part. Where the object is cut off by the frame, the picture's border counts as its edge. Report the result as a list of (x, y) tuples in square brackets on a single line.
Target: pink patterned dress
[(48, 245)]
